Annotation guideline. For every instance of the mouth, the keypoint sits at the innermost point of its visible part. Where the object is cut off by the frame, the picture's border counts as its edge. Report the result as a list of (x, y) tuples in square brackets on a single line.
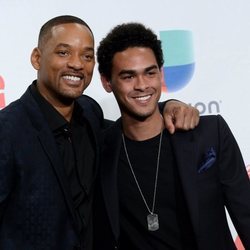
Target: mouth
[(143, 98), (73, 79)]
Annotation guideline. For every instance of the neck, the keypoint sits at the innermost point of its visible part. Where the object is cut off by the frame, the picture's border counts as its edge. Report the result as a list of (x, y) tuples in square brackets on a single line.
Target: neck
[(66, 112), (64, 108), (142, 130)]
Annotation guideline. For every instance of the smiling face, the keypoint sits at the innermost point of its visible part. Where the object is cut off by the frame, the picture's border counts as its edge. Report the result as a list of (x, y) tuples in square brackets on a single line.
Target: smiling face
[(136, 82), (65, 63)]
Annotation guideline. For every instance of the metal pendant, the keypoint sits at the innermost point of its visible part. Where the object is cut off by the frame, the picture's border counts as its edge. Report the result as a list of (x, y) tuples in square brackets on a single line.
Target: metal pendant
[(153, 222)]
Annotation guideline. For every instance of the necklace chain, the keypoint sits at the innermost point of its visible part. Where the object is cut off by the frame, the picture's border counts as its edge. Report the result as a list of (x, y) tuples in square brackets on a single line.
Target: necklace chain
[(156, 174)]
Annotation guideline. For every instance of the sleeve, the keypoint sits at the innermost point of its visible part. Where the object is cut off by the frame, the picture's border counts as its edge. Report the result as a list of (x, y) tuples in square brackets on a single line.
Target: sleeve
[(235, 182), (6, 164)]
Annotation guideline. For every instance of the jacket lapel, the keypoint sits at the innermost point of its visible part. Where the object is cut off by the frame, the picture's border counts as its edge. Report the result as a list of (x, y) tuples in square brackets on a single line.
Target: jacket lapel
[(94, 120), (185, 151), (110, 153), (49, 146)]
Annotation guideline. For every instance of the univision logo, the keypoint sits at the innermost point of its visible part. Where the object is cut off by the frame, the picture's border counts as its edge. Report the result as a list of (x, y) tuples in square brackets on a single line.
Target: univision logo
[(179, 62)]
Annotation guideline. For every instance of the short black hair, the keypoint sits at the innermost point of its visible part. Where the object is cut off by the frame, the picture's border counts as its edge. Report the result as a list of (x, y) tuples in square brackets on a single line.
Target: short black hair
[(46, 28), (124, 36)]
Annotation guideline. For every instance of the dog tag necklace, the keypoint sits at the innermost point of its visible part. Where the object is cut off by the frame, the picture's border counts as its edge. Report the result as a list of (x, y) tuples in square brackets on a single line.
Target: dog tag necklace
[(152, 218)]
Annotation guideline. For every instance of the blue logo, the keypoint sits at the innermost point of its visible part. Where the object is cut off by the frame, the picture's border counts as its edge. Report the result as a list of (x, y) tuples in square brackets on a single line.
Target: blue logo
[(179, 62)]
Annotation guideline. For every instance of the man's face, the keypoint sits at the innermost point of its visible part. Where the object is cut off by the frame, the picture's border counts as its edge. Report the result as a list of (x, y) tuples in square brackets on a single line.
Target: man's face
[(65, 63), (136, 82)]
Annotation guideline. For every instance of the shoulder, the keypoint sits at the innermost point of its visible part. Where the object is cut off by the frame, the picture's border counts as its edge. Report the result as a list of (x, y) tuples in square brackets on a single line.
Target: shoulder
[(208, 120), (90, 106), (11, 112), (92, 112), (212, 128), (20, 107), (11, 120), (113, 132), (212, 122), (85, 99)]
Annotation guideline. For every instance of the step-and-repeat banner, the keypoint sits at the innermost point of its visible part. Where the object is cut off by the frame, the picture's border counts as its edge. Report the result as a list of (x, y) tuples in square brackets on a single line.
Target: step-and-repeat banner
[(206, 47)]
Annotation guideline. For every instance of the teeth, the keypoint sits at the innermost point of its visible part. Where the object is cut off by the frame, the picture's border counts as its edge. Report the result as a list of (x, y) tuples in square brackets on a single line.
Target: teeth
[(143, 98), (72, 78)]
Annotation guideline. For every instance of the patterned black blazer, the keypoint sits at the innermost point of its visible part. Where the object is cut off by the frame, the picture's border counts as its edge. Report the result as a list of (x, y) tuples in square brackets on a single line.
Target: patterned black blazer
[(36, 208)]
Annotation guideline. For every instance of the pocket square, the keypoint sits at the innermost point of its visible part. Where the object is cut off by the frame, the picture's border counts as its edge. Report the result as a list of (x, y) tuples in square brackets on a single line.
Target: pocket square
[(209, 159)]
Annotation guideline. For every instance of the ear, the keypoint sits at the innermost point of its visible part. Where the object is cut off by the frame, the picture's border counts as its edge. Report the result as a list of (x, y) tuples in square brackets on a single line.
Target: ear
[(35, 58), (106, 84)]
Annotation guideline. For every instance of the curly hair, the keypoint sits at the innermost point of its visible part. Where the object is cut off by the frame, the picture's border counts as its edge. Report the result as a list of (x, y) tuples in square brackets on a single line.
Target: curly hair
[(125, 36)]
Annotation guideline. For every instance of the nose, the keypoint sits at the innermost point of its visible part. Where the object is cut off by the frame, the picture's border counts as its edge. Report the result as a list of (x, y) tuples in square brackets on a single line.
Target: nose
[(141, 83), (76, 62)]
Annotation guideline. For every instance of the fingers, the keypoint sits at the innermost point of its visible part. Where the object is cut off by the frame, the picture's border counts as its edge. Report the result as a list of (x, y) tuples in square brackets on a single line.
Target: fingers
[(186, 117), (180, 116), (169, 123)]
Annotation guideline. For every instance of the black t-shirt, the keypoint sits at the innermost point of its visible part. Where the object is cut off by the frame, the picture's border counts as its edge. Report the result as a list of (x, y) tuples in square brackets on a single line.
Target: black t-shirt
[(175, 231)]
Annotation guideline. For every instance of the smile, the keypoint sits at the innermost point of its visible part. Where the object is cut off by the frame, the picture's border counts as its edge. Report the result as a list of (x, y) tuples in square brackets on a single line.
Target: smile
[(72, 78), (143, 98)]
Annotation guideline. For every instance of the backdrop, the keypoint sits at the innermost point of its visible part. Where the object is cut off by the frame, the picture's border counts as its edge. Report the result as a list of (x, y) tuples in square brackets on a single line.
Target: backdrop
[(206, 47)]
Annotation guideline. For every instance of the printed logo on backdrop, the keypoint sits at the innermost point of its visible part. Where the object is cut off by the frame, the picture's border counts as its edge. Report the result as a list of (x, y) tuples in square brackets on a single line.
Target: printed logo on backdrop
[(2, 97), (179, 66), (179, 62)]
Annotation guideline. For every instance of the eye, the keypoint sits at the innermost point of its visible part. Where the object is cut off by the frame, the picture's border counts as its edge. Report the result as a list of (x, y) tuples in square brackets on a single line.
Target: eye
[(152, 72), (88, 57), (127, 77), (62, 52)]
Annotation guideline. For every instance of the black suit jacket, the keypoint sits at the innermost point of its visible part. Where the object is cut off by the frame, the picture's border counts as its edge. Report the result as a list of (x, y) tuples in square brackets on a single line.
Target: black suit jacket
[(212, 173), (36, 208)]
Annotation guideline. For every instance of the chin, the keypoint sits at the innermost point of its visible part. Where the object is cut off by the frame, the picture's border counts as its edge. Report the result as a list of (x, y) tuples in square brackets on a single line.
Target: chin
[(73, 94), (141, 116), (67, 99)]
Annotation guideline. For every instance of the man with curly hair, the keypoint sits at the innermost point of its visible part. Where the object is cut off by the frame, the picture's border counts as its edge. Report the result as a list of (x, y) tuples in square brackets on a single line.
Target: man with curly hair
[(160, 190)]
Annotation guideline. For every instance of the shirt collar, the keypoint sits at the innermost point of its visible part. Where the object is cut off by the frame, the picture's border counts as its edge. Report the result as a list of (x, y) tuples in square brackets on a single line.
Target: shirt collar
[(53, 117)]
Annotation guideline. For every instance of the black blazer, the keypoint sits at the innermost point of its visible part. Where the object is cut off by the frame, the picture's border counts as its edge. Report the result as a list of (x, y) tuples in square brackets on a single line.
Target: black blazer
[(36, 208), (212, 173)]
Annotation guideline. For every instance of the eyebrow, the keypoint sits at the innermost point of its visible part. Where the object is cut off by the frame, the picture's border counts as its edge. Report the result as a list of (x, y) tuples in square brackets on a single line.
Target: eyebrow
[(131, 71)]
